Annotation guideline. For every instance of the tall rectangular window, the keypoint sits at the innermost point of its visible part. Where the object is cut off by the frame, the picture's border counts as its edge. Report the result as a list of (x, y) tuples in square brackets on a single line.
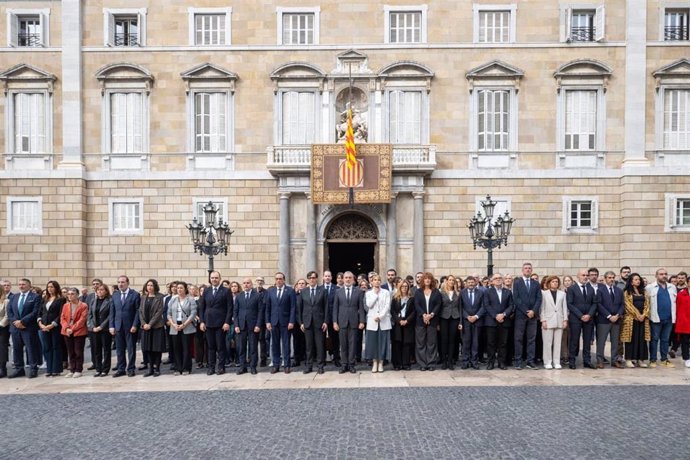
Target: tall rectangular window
[(24, 215), (30, 31), (126, 216), (405, 117), (580, 214), (494, 26), (209, 29), (210, 122), (126, 123), (126, 31), (677, 119), (582, 27), (580, 120), (493, 124), (682, 213), (29, 123), (298, 118), (405, 27), (676, 24), (298, 28)]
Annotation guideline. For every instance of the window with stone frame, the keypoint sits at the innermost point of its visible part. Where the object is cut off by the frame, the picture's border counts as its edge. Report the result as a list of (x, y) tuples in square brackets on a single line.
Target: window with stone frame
[(676, 130), (405, 24), (580, 214), (675, 24), (298, 26), (210, 26), (28, 28), (405, 116), (582, 23), (24, 215), (298, 117), (126, 216)]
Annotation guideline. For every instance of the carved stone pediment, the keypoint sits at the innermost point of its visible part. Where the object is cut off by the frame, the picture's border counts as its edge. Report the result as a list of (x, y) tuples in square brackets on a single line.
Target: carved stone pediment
[(208, 71), (495, 73), (677, 72), (352, 60), (26, 75), (583, 72)]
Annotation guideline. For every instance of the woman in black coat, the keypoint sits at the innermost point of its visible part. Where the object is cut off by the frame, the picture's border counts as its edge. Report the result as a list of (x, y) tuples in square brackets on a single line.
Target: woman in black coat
[(403, 315), (428, 303), (49, 323), (153, 337)]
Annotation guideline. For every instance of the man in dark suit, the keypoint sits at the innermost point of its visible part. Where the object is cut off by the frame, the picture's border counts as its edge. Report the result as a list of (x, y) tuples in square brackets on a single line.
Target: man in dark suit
[(348, 317), (472, 310), (499, 306), (389, 285), (527, 300), (330, 290), (264, 335), (22, 313), (280, 306), (248, 317), (582, 304), (610, 310), (7, 288), (312, 315), (124, 323), (215, 315)]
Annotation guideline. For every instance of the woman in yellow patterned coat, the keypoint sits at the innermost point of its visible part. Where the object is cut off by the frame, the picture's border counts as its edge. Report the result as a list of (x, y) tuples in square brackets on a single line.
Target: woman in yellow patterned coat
[(635, 334)]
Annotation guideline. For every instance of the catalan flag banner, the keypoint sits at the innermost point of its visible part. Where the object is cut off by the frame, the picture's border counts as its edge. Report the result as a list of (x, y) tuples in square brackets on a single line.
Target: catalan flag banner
[(350, 150)]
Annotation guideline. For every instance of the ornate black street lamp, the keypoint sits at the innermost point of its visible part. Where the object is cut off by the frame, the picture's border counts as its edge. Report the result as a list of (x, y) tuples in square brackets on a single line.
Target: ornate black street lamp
[(210, 239), (487, 235)]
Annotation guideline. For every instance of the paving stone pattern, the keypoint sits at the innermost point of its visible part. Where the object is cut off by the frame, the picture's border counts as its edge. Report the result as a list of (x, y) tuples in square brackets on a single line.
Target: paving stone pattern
[(611, 422)]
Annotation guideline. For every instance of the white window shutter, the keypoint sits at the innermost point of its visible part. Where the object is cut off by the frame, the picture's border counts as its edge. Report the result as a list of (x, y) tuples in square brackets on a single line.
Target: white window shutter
[(108, 28), (141, 18), (12, 30), (567, 25), (45, 29), (595, 214), (600, 23)]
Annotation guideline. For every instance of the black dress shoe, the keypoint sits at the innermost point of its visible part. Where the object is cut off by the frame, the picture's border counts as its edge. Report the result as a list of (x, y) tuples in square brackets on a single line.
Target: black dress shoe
[(430, 368), (475, 366), (149, 373), (320, 370), (157, 373), (263, 363), (104, 374), (502, 366), (396, 368), (490, 366), (571, 366), (220, 371), (465, 366), (130, 374), (253, 371), (353, 370), (444, 366), (242, 370), (119, 374), (451, 366), (406, 368), (33, 374), (274, 370), (590, 366), (422, 368), (531, 366), (143, 367), (307, 370), (92, 368), (337, 363), (343, 370), (17, 373), (287, 370), (200, 365), (210, 371)]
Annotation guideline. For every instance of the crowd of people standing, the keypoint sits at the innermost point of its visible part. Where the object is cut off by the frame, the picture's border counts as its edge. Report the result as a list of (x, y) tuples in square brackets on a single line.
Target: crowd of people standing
[(423, 321)]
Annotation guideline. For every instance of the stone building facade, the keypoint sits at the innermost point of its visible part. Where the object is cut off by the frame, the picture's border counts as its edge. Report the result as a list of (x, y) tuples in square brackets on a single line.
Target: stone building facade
[(122, 117)]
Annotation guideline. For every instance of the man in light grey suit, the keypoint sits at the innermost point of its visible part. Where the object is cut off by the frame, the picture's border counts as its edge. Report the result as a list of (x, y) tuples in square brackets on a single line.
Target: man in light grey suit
[(348, 316)]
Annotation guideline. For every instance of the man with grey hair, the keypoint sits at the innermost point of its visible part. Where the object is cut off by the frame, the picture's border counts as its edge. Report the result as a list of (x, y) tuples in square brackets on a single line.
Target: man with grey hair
[(610, 310), (7, 288), (662, 315), (348, 317)]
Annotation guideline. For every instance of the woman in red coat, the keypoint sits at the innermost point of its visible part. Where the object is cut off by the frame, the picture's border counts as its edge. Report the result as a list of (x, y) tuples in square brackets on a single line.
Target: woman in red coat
[(73, 322), (683, 316)]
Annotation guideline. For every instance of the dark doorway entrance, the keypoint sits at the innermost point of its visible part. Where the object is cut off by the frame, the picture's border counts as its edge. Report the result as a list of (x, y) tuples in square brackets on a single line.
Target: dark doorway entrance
[(355, 257)]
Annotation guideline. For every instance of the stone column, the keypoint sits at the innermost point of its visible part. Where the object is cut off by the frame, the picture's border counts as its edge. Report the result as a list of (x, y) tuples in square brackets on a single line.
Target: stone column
[(635, 84), (391, 236), (311, 235), (71, 85), (418, 240), (284, 242)]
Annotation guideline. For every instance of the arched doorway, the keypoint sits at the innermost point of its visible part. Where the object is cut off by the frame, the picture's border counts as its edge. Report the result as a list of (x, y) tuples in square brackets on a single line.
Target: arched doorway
[(351, 244)]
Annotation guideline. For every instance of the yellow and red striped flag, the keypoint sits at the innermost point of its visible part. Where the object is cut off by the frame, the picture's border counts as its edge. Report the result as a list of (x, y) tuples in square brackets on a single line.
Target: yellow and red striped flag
[(350, 150)]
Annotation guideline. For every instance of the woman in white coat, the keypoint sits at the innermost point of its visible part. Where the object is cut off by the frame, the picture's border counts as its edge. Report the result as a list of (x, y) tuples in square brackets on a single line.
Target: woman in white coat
[(377, 303), (554, 318)]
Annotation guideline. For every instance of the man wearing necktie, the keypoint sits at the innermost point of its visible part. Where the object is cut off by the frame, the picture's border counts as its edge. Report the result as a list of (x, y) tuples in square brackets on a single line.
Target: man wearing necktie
[(610, 310), (472, 310), (348, 316), (23, 313), (124, 323), (280, 306), (527, 300), (215, 315), (333, 340), (582, 304), (248, 314), (312, 315)]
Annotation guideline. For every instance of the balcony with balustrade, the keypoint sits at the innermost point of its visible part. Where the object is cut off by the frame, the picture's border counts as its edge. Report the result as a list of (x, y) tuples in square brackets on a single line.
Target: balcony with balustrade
[(296, 159)]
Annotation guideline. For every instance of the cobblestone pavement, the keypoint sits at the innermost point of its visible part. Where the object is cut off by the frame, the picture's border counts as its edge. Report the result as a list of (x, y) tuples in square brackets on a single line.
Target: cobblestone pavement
[(621, 422)]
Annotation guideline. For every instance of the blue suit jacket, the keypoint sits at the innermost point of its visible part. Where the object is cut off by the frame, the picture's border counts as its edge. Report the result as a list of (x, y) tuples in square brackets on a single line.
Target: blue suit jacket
[(248, 314), (30, 312), (607, 306), (579, 305), (525, 300), (494, 307), (214, 311), (280, 312), (124, 316), (475, 308)]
